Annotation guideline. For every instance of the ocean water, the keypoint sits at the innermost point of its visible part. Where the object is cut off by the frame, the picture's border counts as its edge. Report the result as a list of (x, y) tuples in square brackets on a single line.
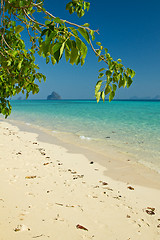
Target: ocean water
[(130, 128)]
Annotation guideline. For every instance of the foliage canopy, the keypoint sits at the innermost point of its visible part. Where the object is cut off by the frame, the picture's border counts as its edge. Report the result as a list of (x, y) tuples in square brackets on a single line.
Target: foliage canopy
[(51, 39)]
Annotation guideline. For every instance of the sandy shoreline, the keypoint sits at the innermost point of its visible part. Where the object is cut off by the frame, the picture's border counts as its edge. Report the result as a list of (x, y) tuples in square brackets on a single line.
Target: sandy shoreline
[(47, 192), (118, 166)]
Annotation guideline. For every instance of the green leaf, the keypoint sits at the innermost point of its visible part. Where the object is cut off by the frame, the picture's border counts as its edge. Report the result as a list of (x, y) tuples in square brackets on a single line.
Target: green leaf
[(82, 12), (102, 69), (100, 59), (74, 55), (98, 43), (9, 62), (19, 29), (82, 61), (84, 49), (87, 5), (119, 60), (108, 73), (84, 33), (121, 82), (98, 95), (103, 96), (56, 51), (14, 53), (69, 5), (69, 43), (98, 51), (67, 54), (58, 20), (21, 3), (106, 51), (125, 79), (47, 60), (71, 10), (61, 50), (19, 65), (129, 82), (111, 96), (108, 89), (47, 22), (114, 87), (44, 32), (56, 47), (132, 73), (78, 60), (49, 38), (86, 25), (92, 35), (98, 86), (74, 31), (78, 43), (44, 48), (101, 75)]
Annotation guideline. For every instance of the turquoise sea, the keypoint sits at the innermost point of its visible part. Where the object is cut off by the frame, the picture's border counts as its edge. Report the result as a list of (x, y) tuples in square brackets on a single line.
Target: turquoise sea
[(129, 128)]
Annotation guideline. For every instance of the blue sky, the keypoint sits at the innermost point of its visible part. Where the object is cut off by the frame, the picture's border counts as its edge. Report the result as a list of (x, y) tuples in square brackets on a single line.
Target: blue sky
[(129, 29)]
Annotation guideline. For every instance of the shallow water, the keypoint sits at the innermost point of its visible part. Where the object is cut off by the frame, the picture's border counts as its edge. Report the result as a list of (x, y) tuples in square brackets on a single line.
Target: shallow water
[(128, 127)]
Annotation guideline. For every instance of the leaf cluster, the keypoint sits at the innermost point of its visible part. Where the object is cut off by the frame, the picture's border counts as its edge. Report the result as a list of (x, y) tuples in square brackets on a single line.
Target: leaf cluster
[(78, 6), (113, 77), (52, 39), (58, 39)]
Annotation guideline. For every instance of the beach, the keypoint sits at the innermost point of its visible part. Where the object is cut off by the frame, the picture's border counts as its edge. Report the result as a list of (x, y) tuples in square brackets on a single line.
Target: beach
[(48, 191), (79, 146)]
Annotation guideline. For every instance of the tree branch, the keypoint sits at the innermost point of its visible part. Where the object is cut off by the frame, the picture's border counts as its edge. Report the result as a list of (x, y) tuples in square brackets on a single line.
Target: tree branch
[(103, 59), (33, 19), (65, 21), (6, 42), (2, 54)]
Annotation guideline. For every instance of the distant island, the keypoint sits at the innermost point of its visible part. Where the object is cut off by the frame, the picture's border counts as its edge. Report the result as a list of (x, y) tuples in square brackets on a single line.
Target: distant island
[(19, 98), (157, 97), (54, 96)]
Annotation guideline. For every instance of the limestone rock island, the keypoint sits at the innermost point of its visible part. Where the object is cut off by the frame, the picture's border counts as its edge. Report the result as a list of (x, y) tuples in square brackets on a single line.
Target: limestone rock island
[(54, 96)]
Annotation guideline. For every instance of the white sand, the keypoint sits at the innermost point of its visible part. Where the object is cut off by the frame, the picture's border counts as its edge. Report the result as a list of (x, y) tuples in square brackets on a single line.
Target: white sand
[(45, 192)]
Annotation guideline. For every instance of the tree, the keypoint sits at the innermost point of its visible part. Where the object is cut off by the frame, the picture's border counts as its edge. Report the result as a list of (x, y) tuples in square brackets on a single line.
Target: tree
[(51, 40)]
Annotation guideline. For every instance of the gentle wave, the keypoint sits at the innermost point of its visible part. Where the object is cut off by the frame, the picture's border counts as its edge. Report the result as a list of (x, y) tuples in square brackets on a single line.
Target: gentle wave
[(84, 138)]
